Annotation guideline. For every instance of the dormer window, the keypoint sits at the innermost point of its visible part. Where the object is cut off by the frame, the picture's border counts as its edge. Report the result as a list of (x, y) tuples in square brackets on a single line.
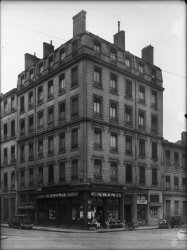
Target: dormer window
[(153, 74), (113, 54), (141, 68), (97, 46), (31, 73), (41, 67), (22, 79), (62, 54), (50, 61), (127, 62)]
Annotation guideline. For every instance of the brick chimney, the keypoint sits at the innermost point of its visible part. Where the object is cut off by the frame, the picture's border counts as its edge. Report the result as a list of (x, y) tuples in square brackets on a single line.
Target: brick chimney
[(48, 48), (119, 39), (147, 54), (30, 60), (79, 23)]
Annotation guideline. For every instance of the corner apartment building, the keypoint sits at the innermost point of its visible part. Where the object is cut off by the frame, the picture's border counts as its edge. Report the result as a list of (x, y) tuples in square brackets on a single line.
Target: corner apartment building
[(175, 177), (8, 154)]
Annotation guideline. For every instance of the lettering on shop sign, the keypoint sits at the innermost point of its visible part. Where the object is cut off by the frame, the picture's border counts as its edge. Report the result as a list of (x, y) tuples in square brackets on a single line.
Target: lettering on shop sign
[(101, 194), (141, 199), (58, 195)]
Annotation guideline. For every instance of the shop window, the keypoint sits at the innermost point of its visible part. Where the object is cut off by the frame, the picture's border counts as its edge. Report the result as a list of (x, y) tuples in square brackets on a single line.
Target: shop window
[(97, 77), (5, 156), (154, 99), (50, 116), (142, 147), (176, 183), (167, 155), (97, 169), (62, 169), (31, 100), (154, 176), (22, 178), (74, 107), (13, 206), (154, 124), (62, 83), (40, 121), (50, 145), (23, 198), (184, 208), (128, 144), (6, 107), (74, 77), (13, 154), (114, 141), (22, 127), (184, 184), (113, 83), (154, 198), (22, 153), (50, 89), (142, 175), (154, 212), (129, 89), (40, 148), (40, 175), (5, 180), (31, 151), (5, 131), (128, 173), (31, 124), (22, 104), (75, 212), (74, 169), (97, 138), (31, 177), (114, 171), (97, 106), (62, 145), (74, 138), (5, 209), (13, 130), (176, 205), (154, 150), (141, 119), (40, 95), (75, 48), (142, 94), (128, 115), (50, 173), (176, 158), (13, 103), (12, 180), (62, 54), (168, 207), (167, 181), (113, 111), (62, 111), (142, 214), (32, 198), (97, 46)]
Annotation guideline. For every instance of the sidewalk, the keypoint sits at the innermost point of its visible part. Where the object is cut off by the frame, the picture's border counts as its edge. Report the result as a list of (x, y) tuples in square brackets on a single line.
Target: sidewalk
[(66, 230)]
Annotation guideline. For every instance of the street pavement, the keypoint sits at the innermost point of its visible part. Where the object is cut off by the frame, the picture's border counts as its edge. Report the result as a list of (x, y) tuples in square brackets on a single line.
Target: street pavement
[(138, 239)]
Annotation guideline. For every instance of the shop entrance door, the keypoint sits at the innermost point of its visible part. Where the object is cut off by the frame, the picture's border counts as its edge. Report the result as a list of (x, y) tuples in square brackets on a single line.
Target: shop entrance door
[(128, 213)]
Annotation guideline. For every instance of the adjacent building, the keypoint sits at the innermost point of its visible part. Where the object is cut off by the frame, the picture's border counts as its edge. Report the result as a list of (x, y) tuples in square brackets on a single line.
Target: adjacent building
[(89, 133)]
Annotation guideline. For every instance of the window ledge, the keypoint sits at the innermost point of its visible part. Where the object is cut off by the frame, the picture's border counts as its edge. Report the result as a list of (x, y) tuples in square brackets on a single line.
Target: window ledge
[(113, 151), (62, 92), (128, 97), (96, 85), (74, 87), (97, 148), (114, 92)]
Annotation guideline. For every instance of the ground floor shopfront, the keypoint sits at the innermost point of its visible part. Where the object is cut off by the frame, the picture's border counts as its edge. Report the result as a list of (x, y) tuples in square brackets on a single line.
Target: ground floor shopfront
[(78, 206), (8, 206)]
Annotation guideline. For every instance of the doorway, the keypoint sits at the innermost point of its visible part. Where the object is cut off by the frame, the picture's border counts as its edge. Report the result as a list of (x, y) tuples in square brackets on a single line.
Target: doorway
[(128, 213)]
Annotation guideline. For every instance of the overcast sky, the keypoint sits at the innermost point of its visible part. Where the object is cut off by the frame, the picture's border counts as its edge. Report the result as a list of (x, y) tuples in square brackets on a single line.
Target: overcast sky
[(26, 25)]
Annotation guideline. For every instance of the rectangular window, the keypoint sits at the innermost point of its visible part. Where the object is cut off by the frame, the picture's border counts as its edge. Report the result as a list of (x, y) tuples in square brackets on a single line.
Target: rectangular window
[(128, 173), (74, 48), (128, 144), (40, 120), (153, 212), (141, 119), (167, 181), (142, 147), (114, 141), (128, 115), (40, 148), (5, 182), (31, 73), (97, 138), (154, 124), (31, 177), (74, 169), (129, 89), (114, 171), (62, 111), (184, 208), (97, 169), (41, 67), (113, 111), (40, 94), (97, 46), (176, 183), (62, 170), (22, 127), (22, 104), (97, 106), (12, 182), (31, 151), (113, 54), (127, 62), (141, 68), (74, 77), (154, 198), (184, 160), (167, 154), (113, 83), (142, 94), (5, 131), (13, 154), (31, 100), (50, 61), (142, 175), (13, 103), (22, 178), (176, 158), (12, 128), (154, 176), (22, 79), (154, 99), (50, 173), (62, 54), (154, 150), (62, 142), (50, 145), (176, 207), (40, 175), (50, 89), (74, 138), (22, 153), (5, 156), (74, 106), (62, 83), (50, 116), (97, 77), (6, 107), (184, 184), (31, 124)]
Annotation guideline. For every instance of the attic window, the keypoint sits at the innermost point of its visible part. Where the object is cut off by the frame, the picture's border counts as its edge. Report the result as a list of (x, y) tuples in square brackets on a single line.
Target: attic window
[(62, 54), (153, 74), (113, 54), (31, 73), (22, 79), (127, 62), (41, 67), (97, 46), (50, 62), (141, 68)]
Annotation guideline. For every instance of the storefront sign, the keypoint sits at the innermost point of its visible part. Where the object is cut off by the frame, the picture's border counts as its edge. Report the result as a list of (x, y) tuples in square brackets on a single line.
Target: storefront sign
[(141, 199), (102, 194), (57, 195)]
